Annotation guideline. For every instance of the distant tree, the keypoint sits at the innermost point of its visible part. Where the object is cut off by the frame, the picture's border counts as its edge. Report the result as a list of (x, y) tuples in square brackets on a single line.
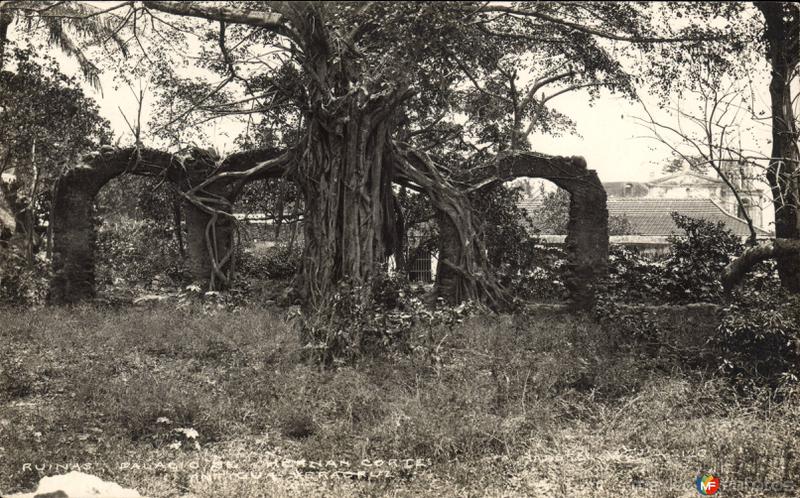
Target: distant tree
[(707, 138), (64, 25), (46, 123)]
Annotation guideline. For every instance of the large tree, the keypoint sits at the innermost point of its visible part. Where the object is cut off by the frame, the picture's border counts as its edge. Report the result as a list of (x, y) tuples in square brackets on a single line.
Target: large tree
[(360, 79), (780, 42), (46, 123), (782, 46)]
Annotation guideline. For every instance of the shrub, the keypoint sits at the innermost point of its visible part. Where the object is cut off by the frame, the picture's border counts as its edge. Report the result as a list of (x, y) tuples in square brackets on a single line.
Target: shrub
[(697, 259), (539, 276), (356, 320), (136, 251), (370, 320), (277, 262), (20, 282), (759, 334), (633, 277), (690, 273)]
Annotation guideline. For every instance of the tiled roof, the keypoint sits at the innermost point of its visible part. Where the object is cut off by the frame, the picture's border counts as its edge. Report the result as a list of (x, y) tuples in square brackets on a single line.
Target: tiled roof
[(652, 216)]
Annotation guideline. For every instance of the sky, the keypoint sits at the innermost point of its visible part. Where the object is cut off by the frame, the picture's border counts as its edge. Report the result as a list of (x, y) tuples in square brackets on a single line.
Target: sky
[(608, 135)]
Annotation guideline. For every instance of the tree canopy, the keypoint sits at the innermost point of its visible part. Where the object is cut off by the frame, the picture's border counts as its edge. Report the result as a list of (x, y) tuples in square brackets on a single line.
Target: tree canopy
[(360, 98)]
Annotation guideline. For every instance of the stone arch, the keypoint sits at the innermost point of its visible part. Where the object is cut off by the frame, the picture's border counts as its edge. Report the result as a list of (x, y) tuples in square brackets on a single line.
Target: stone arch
[(461, 271), (72, 216), (586, 244)]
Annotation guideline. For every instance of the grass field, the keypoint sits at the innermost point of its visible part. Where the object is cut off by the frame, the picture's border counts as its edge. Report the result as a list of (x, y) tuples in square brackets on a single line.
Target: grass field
[(175, 403)]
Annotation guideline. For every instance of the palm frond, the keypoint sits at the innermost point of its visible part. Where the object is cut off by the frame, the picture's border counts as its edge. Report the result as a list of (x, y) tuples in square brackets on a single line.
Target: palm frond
[(57, 36), (90, 22), (65, 21)]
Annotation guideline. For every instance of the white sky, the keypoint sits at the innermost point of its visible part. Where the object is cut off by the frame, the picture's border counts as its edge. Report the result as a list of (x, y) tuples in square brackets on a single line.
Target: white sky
[(609, 136)]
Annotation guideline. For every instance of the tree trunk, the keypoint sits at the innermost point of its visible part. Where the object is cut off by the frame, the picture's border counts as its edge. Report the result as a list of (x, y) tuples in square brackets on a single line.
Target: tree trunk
[(346, 185), (8, 223), (401, 242), (463, 272), (200, 238), (5, 21), (447, 285), (735, 272), (782, 35), (295, 224), (177, 217)]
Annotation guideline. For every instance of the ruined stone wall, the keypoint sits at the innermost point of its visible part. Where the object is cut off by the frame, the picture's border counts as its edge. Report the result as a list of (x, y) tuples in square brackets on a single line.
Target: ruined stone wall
[(72, 216), (587, 230)]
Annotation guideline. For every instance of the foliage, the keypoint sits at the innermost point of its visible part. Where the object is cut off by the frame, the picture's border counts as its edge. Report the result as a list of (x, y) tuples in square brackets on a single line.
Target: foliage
[(632, 277), (46, 122), (759, 331), (365, 321), (21, 282), (277, 262), (697, 259), (504, 225), (135, 252), (136, 234), (553, 214), (689, 273), (352, 323), (45, 113), (540, 278)]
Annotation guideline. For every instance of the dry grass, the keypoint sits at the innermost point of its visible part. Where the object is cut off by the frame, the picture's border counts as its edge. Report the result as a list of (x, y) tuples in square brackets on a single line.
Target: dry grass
[(535, 405)]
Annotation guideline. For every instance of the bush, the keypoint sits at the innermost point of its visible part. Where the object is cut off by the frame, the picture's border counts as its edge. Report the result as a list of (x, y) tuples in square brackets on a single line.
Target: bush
[(690, 273), (759, 334), (697, 259), (355, 321), (136, 251), (539, 276), (371, 320), (21, 283), (633, 277), (278, 262)]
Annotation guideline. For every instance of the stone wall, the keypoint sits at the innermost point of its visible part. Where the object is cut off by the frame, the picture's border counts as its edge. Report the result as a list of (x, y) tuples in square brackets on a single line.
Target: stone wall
[(586, 242)]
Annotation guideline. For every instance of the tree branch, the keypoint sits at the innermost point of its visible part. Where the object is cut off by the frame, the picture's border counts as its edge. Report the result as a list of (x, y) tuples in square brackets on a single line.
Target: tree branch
[(734, 273), (594, 31), (272, 21)]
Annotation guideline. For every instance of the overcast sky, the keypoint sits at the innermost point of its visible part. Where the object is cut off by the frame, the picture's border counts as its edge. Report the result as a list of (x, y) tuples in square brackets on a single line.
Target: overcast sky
[(609, 136)]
